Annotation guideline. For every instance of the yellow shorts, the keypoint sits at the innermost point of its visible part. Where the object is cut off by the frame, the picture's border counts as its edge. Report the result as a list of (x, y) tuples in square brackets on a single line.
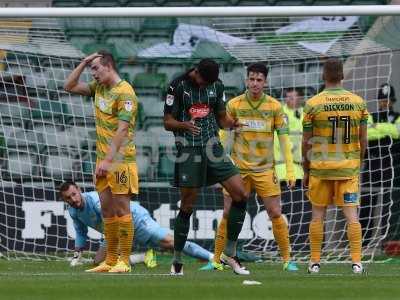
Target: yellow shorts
[(122, 179), (323, 192), (265, 184)]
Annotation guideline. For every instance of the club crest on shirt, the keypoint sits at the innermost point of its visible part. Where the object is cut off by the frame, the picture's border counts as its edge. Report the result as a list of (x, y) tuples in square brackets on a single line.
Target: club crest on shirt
[(170, 99), (128, 105), (102, 104)]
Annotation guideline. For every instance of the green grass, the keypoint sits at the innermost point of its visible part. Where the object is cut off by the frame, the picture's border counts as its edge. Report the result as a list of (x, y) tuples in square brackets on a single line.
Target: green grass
[(56, 280)]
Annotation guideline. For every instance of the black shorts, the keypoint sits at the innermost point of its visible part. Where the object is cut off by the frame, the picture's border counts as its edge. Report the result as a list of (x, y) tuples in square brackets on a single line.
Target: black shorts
[(202, 166)]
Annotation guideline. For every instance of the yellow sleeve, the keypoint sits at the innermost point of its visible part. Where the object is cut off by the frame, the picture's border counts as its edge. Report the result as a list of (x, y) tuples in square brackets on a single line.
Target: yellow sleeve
[(226, 138), (281, 121), (92, 87), (127, 106), (285, 144), (307, 118)]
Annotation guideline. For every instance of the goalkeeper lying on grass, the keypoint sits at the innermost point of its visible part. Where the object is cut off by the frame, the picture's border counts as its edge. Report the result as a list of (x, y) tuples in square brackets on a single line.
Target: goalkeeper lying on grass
[(85, 211)]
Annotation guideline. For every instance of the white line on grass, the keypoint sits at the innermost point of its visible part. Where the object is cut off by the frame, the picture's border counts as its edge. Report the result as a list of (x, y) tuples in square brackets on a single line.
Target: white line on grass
[(80, 274)]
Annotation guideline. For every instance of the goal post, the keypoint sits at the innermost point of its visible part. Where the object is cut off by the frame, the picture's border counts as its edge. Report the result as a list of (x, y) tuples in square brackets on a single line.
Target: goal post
[(48, 135)]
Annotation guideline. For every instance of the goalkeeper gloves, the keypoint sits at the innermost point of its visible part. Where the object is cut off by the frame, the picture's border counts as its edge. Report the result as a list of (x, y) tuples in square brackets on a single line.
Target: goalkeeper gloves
[(76, 259)]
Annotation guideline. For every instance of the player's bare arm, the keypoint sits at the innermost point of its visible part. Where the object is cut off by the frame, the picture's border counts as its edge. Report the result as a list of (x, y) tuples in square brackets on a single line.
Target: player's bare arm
[(116, 143), (226, 121), (72, 83), (171, 124), (306, 147)]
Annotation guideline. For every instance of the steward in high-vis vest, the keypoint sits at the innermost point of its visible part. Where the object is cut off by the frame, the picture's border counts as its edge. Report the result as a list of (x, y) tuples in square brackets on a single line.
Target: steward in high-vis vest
[(294, 111), (381, 166)]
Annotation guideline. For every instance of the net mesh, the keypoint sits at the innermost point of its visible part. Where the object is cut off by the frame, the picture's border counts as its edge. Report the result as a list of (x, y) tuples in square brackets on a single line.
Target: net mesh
[(48, 135)]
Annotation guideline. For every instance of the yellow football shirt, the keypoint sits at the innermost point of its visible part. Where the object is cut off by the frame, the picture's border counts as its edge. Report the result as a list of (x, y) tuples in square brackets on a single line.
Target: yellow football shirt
[(111, 105), (253, 144), (334, 116)]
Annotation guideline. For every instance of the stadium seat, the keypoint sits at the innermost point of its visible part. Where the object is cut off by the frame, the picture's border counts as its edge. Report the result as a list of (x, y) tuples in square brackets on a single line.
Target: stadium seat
[(152, 106), (56, 78), (36, 79), (158, 29), (145, 143), (90, 143), (19, 138), (164, 139), (166, 166), (60, 166), (132, 69), (171, 70), (104, 3), (22, 165), (3, 153), (83, 26), (125, 47), (66, 140), (68, 3), (47, 111), (206, 49), (150, 83), (94, 47), (233, 82), (143, 162), (14, 114), (140, 117), (121, 27), (88, 165)]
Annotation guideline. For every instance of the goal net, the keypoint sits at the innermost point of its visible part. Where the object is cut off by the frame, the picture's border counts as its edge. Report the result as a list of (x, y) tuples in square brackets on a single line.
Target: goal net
[(48, 135)]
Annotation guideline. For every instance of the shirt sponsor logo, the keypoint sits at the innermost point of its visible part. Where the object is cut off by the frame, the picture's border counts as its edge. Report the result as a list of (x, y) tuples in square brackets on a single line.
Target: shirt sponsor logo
[(254, 124), (350, 197), (199, 110), (128, 105), (170, 100)]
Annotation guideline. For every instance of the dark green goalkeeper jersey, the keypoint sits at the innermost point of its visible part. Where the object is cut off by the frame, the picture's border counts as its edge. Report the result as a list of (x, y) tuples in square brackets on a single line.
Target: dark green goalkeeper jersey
[(186, 101)]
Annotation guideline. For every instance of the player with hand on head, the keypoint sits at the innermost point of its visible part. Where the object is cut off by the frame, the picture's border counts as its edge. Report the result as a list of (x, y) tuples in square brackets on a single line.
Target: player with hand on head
[(116, 175)]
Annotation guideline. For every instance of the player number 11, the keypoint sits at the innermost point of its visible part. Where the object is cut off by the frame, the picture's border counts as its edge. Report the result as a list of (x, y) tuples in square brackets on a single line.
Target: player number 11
[(335, 126)]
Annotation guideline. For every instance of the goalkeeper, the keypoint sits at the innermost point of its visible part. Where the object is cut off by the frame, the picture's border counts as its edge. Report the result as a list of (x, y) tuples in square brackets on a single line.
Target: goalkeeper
[(252, 152), (85, 211)]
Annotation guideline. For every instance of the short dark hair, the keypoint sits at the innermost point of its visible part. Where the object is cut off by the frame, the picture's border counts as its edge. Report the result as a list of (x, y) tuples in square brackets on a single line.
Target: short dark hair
[(107, 58), (208, 70), (257, 68), (386, 91), (65, 186), (333, 70), (299, 91)]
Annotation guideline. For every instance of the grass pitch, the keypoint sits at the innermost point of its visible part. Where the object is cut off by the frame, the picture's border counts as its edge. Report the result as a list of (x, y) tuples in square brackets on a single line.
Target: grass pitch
[(56, 280)]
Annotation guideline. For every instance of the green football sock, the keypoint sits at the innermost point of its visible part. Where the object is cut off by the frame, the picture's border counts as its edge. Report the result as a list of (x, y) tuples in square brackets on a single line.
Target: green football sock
[(236, 217), (181, 230)]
